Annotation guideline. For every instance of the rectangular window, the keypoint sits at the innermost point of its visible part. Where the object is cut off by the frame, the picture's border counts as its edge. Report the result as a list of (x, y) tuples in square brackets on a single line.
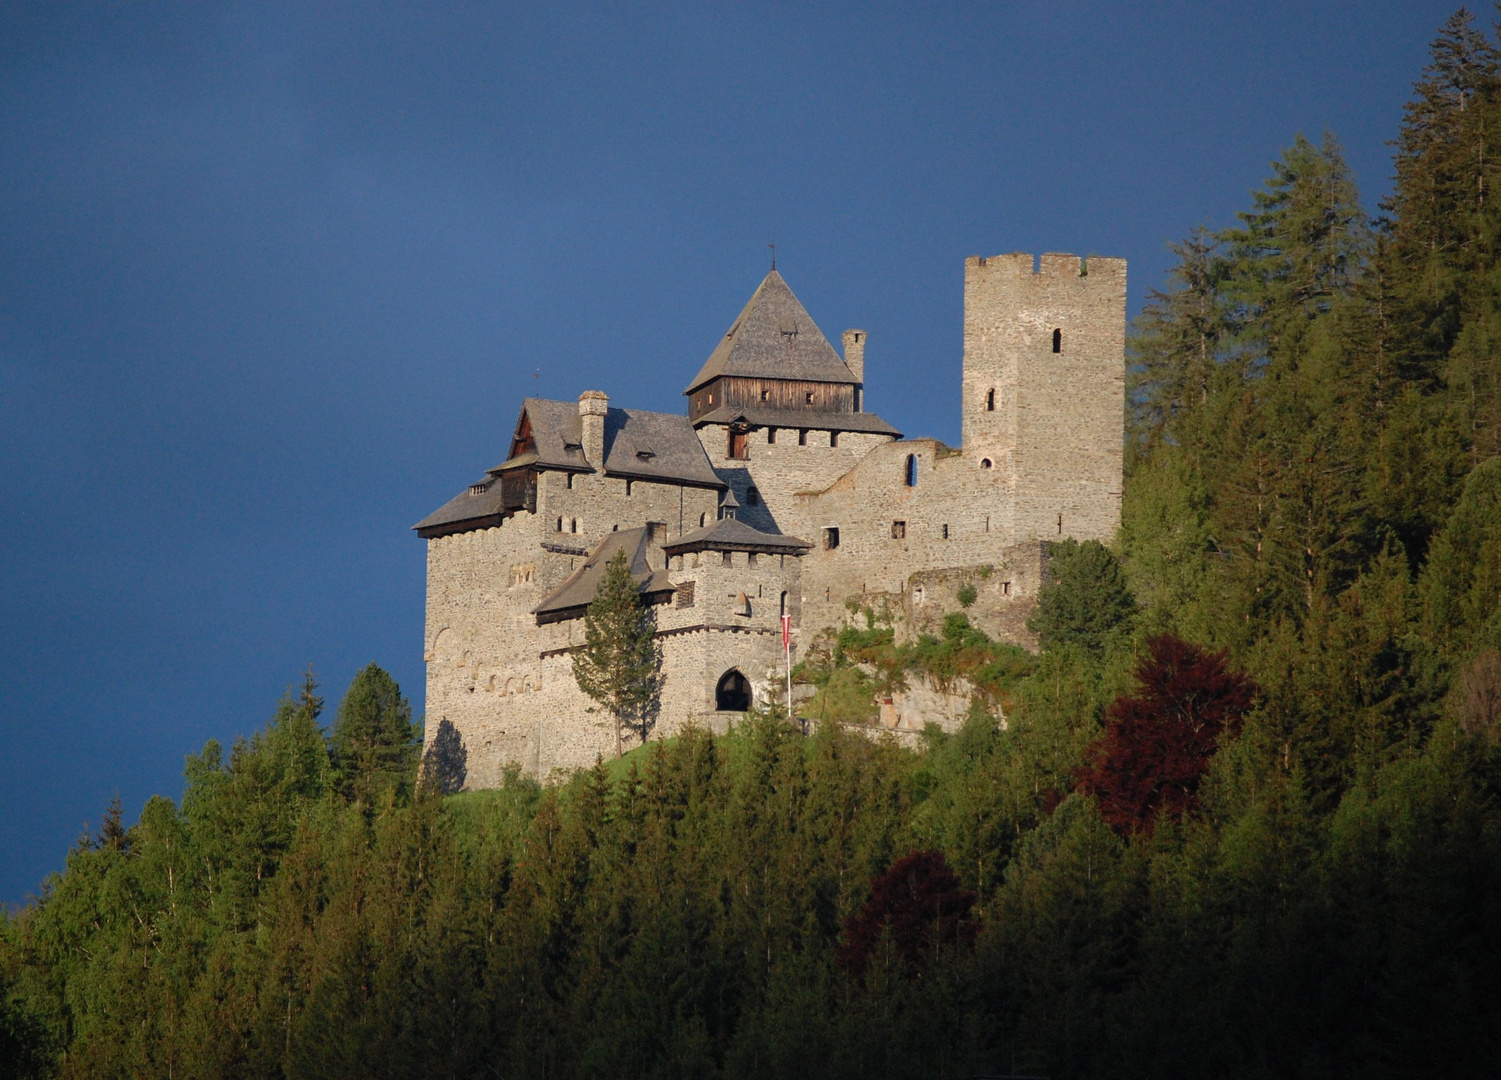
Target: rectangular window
[(684, 595), (765, 394), (833, 438), (739, 444), (1005, 588), (771, 435), (899, 530), (802, 437), (830, 539)]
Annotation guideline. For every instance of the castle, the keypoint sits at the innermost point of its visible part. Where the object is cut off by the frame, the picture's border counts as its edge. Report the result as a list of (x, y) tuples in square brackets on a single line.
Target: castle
[(776, 493)]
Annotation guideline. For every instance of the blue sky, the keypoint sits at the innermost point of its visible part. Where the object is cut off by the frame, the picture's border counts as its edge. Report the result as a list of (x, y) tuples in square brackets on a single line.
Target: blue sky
[(275, 277)]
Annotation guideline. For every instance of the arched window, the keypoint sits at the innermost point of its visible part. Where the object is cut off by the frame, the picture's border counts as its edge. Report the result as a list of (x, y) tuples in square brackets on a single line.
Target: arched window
[(703, 519), (911, 470), (733, 694), (990, 400), (1058, 341), (784, 605), (985, 463)]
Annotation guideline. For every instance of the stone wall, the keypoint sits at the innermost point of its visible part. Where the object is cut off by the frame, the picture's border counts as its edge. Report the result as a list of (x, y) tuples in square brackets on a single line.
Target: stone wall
[(950, 516), (1050, 422)]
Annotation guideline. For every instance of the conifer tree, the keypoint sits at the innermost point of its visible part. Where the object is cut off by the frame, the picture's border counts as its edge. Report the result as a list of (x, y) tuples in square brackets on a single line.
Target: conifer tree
[(1084, 597), (620, 663), (374, 740)]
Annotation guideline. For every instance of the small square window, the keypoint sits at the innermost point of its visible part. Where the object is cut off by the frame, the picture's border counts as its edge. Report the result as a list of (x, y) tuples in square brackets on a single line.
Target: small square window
[(808, 398), (765, 394), (899, 530), (830, 539), (684, 595)]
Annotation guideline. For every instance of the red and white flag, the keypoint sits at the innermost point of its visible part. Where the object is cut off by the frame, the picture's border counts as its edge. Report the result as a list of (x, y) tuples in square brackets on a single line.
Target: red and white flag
[(786, 631)]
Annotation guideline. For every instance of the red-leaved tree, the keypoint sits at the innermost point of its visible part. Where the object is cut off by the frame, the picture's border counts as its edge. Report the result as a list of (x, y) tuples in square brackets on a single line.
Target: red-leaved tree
[(1158, 740), (920, 902)]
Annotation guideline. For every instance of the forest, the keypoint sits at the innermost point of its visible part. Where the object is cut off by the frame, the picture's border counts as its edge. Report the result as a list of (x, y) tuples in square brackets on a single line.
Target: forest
[(1240, 816)]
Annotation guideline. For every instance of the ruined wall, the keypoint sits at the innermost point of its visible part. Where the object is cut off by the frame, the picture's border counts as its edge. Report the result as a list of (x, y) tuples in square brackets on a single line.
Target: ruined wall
[(780, 470), (1051, 423), (950, 516)]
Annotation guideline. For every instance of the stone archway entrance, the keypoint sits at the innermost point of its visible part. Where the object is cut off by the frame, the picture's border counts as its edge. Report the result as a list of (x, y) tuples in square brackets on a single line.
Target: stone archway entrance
[(733, 694)]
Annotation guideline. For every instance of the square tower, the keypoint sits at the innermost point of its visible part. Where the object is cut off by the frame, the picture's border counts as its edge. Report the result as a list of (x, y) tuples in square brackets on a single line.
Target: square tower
[(1044, 389)]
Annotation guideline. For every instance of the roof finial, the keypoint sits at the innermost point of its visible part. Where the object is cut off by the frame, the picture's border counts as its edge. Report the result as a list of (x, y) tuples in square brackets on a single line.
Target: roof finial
[(773, 246)]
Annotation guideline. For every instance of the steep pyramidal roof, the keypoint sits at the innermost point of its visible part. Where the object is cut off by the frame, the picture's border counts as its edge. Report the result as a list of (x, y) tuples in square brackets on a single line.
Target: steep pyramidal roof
[(775, 338)]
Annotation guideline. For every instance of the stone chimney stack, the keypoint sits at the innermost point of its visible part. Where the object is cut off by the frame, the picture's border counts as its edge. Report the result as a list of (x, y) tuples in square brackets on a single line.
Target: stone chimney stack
[(593, 405), (854, 359)]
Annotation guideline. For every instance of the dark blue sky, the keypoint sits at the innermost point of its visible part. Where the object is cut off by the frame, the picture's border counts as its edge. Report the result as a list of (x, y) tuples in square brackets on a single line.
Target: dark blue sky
[(274, 277)]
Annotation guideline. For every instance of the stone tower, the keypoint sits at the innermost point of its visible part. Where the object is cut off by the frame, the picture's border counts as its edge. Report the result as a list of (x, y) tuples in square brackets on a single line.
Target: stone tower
[(1044, 389)]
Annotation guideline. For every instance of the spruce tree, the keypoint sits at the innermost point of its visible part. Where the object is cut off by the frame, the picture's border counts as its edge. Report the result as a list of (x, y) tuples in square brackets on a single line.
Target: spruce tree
[(374, 740), (620, 663)]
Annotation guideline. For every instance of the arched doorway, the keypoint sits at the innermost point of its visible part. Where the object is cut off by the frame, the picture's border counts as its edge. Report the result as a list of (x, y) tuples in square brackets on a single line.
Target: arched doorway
[(733, 694)]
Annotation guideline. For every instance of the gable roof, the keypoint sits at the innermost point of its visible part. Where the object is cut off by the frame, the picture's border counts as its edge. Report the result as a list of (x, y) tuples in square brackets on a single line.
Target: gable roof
[(639, 444), (732, 534), (572, 598), (774, 338)]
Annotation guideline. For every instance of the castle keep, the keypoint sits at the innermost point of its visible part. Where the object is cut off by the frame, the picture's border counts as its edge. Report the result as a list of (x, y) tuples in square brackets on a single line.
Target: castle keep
[(776, 493)]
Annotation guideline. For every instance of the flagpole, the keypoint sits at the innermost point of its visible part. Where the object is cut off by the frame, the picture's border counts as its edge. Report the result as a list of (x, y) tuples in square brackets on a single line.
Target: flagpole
[(787, 652)]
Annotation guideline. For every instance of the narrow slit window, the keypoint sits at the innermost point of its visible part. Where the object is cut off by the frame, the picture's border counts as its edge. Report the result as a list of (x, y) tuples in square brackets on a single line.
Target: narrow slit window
[(628, 489), (833, 438), (911, 471), (945, 532), (771, 435), (802, 436), (990, 398), (1057, 341)]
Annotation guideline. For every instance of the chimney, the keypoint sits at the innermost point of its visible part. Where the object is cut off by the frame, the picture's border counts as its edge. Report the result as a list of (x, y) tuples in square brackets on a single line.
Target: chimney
[(854, 359), (593, 405)]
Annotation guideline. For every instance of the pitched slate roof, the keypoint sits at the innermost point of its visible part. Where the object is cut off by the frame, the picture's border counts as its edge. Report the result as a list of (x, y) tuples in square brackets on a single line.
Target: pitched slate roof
[(570, 599), (793, 418), (640, 444), (774, 338), (732, 534), (476, 507)]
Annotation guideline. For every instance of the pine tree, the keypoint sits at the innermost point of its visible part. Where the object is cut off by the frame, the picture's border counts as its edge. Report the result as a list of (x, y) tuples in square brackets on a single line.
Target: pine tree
[(620, 663)]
